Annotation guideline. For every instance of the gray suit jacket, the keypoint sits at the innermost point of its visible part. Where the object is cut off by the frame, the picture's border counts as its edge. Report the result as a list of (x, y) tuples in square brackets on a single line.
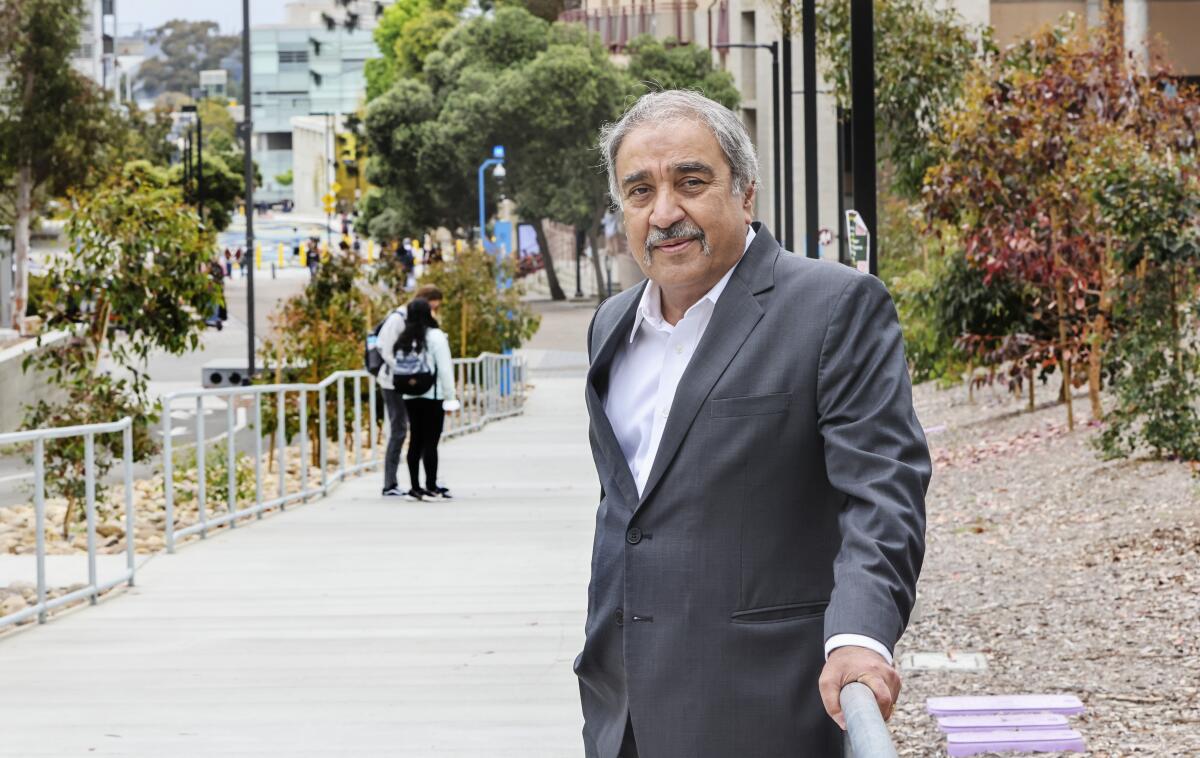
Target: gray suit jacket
[(785, 505)]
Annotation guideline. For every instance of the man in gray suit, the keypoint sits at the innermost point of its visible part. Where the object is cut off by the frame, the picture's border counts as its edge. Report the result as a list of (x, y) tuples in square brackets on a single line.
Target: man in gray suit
[(763, 474)]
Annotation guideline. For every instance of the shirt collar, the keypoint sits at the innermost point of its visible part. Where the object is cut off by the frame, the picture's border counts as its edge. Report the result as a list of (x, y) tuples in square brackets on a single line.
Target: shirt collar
[(649, 308)]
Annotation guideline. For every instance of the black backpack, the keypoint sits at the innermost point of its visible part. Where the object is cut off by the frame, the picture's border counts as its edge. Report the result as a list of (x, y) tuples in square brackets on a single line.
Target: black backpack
[(414, 375), (372, 360)]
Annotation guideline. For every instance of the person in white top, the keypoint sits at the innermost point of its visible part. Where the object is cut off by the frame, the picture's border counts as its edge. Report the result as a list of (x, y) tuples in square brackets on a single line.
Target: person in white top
[(427, 411), (389, 333), (763, 473)]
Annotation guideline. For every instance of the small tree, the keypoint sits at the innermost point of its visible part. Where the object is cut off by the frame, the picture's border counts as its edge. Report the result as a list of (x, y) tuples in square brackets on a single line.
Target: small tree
[(134, 281), (1149, 204), (55, 127), (477, 315)]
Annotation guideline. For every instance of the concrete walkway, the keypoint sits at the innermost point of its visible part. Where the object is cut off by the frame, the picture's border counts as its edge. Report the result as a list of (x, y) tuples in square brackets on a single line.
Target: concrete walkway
[(349, 626)]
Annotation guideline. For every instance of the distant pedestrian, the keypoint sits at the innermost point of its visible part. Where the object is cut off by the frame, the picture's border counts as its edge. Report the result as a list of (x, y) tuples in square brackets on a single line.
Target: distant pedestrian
[(242, 260), (393, 398), (424, 350), (217, 273), (229, 263)]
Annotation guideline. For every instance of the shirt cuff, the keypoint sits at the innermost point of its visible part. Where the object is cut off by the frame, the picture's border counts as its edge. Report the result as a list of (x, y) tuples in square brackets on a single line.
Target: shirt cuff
[(857, 640)]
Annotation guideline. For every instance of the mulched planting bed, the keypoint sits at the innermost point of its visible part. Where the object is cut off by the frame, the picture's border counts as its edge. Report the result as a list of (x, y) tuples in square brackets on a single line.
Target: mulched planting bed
[(1072, 574)]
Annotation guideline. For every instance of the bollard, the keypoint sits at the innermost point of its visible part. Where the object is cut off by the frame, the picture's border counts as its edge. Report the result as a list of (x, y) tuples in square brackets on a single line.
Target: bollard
[(280, 255)]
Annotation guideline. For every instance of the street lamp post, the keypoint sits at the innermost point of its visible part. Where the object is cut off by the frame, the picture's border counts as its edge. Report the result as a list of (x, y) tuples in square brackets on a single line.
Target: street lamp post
[(199, 158), (777, 189), (248, 169), (496, 160)]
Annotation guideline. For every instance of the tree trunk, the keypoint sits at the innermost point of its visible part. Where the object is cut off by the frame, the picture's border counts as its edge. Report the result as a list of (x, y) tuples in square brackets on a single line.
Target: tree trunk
[(1098, 338), (22, 221), (597, 265), (1032, 378), (593, 236), (556, 290), (1060, 293)]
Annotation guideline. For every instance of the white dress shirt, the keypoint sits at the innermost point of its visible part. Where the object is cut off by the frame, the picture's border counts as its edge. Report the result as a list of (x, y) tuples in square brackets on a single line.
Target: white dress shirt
[(642, 384)]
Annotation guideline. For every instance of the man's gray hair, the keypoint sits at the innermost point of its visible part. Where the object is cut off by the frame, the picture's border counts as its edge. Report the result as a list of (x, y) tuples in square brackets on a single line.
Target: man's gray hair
[(674, 104)]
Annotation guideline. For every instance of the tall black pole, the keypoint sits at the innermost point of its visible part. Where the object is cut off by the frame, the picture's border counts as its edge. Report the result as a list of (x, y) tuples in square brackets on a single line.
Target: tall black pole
[(187, 161), (862, 114), (776, 188), (841, 183), (789, 194), (808, 55), (248, 168), (199, 166)]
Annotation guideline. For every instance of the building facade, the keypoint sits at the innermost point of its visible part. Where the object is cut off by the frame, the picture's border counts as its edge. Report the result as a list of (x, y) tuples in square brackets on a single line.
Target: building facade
[(303, 67)]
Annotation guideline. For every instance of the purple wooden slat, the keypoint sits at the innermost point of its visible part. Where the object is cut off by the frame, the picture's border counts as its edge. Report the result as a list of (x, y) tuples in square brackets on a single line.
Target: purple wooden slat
[(970, 705), (1002, 721), (1035, 741)]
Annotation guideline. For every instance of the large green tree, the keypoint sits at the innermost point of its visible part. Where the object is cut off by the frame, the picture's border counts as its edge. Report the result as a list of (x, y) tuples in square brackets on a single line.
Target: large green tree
[(56, 130), (188, 47), (666, 64)]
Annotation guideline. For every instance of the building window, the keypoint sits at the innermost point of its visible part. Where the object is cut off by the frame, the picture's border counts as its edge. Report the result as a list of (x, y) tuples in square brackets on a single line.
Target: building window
[(293, 57), (279, 140)]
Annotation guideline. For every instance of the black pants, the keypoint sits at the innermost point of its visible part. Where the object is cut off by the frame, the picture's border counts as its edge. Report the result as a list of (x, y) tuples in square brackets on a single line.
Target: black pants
[(397, 428), (425, 418)]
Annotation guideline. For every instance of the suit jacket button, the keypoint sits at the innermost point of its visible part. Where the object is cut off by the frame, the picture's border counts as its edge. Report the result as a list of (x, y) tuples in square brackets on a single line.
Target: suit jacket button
[(620, 617), (633, 536)]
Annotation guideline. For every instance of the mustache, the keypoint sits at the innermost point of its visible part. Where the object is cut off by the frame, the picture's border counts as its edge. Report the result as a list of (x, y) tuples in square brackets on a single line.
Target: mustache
[(678, 230)]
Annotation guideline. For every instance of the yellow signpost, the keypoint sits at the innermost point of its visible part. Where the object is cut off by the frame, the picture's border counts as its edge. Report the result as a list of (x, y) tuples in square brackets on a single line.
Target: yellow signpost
[(279, 253), (370, 251)]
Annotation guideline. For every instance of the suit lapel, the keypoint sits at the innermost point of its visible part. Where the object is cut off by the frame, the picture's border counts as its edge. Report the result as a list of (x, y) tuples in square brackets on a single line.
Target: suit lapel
[(597, 380), (736, 314)]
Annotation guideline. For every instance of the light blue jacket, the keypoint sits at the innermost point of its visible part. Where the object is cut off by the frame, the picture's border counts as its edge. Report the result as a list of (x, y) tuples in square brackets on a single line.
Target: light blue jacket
[(437, 348)]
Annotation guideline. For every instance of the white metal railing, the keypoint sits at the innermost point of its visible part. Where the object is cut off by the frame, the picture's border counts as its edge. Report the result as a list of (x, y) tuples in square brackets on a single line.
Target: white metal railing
[(489, 386), (867, 734), (94, 586)]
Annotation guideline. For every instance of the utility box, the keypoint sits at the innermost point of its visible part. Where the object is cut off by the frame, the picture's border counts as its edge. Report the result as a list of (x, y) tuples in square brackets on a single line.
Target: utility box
[(220, 374)]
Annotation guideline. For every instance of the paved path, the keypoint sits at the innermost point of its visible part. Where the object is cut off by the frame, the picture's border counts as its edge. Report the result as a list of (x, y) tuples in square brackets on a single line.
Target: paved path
[(349, 626)]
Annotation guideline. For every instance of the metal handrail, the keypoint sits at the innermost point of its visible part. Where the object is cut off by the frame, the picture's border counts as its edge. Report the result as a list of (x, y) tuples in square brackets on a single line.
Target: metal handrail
[(94, 587), (867, 735), (490, 387)]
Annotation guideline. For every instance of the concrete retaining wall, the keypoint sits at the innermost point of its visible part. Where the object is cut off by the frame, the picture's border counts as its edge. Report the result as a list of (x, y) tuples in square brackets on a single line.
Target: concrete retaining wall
[(19, 388)]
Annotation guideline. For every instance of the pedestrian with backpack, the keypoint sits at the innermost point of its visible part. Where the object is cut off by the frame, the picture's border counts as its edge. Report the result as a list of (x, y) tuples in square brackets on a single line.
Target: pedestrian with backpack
[(381, 361), (426, 372)]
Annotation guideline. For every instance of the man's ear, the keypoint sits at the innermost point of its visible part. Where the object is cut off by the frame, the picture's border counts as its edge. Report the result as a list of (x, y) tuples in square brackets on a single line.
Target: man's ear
[(748, 201)]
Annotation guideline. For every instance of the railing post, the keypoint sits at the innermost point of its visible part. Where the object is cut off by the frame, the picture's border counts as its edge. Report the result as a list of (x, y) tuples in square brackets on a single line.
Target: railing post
[(127, 455), (39, 521), (89, 484), (168, 475), (372, 425), (258, 438), (322, 452), (302, 399), (341, 426), (357, 428), (231, 459), (201, 474), (281, 444)]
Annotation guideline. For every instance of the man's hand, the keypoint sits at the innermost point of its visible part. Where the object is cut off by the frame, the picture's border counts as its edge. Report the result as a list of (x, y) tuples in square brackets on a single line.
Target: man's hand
[(858, 664)]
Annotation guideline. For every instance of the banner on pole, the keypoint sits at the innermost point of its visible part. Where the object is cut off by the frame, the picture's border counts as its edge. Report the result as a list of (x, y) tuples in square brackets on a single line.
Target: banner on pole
[(858, 238)]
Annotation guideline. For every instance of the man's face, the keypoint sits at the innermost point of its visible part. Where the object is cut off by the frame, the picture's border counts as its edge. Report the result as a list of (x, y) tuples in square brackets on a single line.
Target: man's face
[(685, 226), (434, 305)]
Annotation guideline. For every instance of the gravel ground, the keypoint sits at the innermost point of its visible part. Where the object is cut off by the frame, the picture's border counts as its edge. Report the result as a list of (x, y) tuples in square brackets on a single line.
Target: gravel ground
[(1072, 574)]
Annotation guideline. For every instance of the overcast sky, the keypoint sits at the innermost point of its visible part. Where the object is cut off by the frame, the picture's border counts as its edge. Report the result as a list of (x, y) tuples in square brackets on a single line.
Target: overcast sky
[(227, 13)]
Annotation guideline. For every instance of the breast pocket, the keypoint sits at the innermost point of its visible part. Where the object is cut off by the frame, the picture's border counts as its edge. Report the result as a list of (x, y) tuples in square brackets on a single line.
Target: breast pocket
[(750, 405)]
